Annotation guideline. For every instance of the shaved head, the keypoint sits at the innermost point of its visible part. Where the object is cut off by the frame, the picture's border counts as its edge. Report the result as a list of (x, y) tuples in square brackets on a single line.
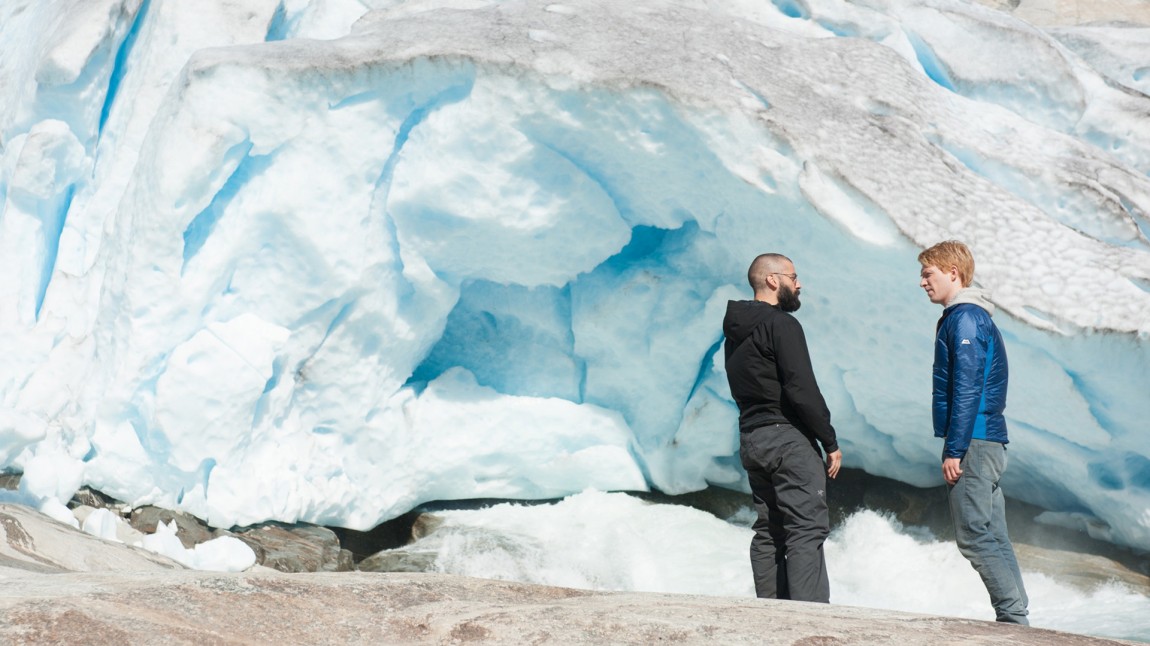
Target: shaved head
[(764, 266)]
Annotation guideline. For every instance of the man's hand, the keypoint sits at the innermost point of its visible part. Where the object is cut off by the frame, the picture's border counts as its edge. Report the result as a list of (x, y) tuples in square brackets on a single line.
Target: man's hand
[(834, 461), (951, 470)]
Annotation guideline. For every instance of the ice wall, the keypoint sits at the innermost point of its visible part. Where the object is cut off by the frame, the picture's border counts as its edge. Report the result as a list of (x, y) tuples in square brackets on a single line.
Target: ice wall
[(324, 261)]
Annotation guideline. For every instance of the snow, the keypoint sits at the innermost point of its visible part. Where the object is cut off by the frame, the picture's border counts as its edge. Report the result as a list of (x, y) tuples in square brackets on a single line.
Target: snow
[(326, 261), (48, 479), (221, 554)]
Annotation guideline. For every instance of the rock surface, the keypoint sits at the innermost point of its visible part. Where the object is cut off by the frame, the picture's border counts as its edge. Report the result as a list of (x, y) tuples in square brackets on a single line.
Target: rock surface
[(327, 608), (189, 529), (304, 548), (32, 542), (64, 587)]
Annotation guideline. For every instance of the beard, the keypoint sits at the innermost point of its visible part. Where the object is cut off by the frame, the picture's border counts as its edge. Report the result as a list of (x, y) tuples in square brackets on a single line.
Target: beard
[(788, 299)]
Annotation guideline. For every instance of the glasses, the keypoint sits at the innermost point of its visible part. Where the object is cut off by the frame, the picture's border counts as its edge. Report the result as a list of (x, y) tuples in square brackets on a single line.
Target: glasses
[(793, 277)]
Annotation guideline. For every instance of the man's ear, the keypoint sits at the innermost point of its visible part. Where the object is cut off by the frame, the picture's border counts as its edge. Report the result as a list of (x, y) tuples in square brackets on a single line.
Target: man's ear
[(953, 272)]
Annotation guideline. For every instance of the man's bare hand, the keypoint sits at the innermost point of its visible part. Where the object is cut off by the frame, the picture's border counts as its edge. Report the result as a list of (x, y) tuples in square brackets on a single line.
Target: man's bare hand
[(951, 470), (834, 461)]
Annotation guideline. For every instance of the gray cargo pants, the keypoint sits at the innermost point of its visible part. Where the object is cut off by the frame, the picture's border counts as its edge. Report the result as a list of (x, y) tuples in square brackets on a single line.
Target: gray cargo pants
[(788, 483)]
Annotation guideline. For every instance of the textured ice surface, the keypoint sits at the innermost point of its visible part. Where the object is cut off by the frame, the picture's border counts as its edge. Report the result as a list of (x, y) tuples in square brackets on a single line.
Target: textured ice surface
[(325, 261)]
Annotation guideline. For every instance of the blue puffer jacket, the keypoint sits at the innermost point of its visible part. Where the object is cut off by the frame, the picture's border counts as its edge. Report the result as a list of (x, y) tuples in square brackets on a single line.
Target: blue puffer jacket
[(970, 375)]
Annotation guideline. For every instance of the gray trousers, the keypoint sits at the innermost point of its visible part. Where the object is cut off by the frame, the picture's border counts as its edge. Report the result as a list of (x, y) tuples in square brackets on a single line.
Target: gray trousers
[(978, 510), (788, 483)]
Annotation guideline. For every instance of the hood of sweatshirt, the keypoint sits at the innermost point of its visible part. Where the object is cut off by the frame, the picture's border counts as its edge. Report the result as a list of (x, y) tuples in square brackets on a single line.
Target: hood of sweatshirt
[(743, 317), (974, 296)]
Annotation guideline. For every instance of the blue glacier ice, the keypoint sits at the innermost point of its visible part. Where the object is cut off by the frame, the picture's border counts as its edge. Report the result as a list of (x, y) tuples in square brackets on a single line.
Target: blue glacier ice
[(328, 260)]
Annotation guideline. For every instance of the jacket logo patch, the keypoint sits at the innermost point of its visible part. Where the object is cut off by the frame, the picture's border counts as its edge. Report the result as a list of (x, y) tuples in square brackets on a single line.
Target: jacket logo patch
[(965, 342)]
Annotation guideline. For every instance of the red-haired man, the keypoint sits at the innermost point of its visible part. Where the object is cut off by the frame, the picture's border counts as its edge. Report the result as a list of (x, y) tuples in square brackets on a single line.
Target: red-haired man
[(969, 396)]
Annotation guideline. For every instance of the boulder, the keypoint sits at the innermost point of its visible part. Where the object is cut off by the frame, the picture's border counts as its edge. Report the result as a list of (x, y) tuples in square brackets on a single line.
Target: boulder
[(189, 529), (399, 560), (89, 497), (297, 548)]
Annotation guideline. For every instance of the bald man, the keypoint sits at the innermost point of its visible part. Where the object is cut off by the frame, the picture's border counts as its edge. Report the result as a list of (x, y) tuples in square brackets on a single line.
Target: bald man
[(782, 421)]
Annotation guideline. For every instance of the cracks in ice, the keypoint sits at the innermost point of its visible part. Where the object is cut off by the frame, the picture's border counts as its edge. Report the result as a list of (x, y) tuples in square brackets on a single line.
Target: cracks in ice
[(931, 64), (753, 92), (278, 26), (299, 374), (123, 54), (599, 179), (451, 94), (53, 214), (200, 228), (705, 368), (792, 8), (260, 409), (1137, 217)]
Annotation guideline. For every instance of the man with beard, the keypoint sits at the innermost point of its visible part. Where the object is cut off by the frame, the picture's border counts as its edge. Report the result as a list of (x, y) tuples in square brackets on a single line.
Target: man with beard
[(970, 378), (782, 421)]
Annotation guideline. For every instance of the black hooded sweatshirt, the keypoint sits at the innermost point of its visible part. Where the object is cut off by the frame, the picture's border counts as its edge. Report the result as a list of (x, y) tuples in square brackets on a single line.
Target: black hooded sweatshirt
[(769, 370)]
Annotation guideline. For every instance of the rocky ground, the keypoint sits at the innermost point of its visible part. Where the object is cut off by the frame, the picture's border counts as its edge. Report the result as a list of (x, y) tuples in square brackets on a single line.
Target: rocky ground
[(60, 586)]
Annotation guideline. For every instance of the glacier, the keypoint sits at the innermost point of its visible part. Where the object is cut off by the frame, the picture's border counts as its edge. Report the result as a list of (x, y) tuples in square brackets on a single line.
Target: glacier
[(328, 260)]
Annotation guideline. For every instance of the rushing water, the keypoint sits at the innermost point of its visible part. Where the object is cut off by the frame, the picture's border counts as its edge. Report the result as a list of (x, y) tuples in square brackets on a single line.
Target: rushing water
[(610, 541)]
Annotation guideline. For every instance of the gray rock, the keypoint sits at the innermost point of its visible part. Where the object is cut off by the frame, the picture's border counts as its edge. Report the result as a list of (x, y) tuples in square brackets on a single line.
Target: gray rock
[(399, 560), (297, 548), (1085, 571), (189, 529), (10, 481), (363, 608), (424, 525), (420, 555), (88, 497)]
